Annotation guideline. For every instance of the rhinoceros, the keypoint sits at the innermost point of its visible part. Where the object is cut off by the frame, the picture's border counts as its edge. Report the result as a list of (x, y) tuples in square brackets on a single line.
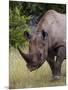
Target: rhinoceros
[(47, 43)]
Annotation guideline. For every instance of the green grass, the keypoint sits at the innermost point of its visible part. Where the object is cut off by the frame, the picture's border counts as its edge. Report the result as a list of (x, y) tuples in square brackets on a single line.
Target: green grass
[(21, 77)]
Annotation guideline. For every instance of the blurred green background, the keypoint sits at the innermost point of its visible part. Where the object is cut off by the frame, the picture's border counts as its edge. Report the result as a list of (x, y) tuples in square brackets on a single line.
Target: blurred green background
[(24, 16)]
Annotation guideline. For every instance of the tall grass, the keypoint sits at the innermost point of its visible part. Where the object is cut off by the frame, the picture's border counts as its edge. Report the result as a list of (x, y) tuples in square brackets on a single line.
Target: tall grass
[(21, 77)]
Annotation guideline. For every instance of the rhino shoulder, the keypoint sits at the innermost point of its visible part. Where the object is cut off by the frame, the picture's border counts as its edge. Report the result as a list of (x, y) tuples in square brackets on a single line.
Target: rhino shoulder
[(52, 22), (48, 18)]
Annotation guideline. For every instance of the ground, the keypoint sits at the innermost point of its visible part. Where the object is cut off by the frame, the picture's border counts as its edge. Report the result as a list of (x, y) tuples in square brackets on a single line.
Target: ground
[(21, 77)]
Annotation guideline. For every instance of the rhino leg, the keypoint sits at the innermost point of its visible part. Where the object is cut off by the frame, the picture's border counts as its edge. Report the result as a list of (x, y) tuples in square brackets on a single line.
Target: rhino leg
[(55, 68), (55, 65), (50, 64), (50, 61), (61, 53)]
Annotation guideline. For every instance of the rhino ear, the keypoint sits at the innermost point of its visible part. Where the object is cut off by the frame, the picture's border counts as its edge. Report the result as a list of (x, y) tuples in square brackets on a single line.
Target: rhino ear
[(27, 35), (44, 34)]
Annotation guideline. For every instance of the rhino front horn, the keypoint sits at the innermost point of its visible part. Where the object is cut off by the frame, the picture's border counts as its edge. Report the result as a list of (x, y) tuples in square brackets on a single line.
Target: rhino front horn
[(25, 56)]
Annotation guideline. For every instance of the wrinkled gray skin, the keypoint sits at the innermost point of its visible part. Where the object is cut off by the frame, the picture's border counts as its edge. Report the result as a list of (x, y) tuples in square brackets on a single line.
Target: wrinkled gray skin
[(47, 43)]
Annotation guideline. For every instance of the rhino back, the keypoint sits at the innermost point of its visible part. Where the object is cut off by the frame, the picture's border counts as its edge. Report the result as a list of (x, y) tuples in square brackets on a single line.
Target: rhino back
[(55, 24)]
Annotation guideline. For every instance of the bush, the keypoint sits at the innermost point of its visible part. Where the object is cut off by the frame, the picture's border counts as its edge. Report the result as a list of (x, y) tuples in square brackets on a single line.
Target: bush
[(17, 25)]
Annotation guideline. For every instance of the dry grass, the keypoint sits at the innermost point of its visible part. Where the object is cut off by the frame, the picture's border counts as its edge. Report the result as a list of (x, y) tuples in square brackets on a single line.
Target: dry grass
[(21, 77)]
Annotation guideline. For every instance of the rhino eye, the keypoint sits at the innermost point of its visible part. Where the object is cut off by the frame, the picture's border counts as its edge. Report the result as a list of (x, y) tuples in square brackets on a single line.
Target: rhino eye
[(44, 35)]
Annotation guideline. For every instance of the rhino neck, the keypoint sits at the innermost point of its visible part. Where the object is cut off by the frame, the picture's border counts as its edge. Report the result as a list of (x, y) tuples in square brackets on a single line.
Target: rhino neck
[(25, 56)]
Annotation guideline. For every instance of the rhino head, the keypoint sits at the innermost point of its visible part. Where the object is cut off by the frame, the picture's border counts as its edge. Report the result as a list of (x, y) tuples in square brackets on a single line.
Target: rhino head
[(38, 49)]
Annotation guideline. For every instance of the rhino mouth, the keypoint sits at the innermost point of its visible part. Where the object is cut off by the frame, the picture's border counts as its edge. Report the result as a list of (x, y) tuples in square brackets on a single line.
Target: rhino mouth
[(34, 66)]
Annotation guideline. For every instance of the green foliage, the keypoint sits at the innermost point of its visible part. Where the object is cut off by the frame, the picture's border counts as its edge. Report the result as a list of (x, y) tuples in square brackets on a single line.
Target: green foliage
[(18, 24)]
